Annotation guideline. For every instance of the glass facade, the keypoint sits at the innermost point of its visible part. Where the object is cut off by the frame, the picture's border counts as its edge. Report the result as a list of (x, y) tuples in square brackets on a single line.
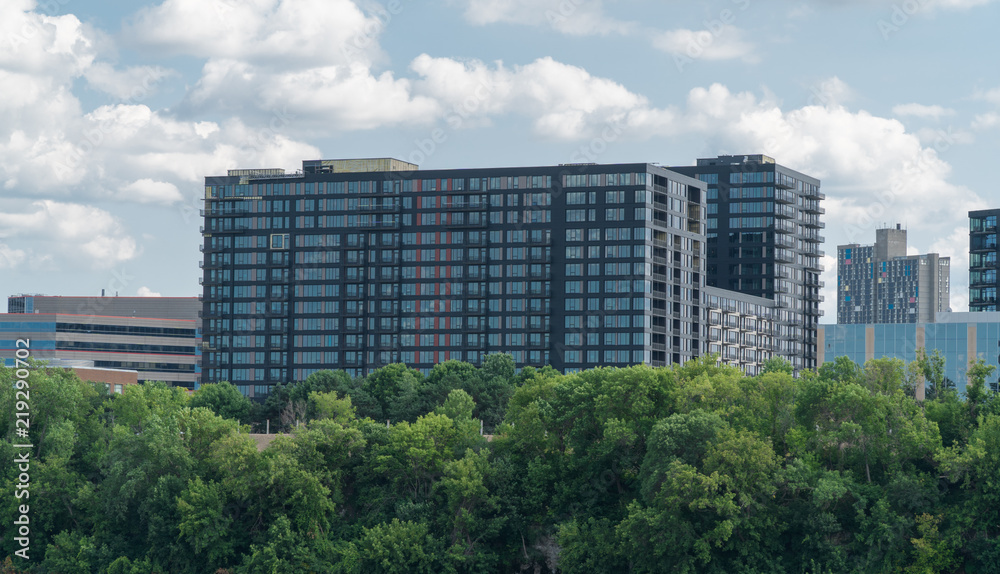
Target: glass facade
[(983, 260), (958, 341), (571, 266)]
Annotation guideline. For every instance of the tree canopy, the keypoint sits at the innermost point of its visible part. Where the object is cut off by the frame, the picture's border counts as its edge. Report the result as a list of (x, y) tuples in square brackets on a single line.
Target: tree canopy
[(693, 468)]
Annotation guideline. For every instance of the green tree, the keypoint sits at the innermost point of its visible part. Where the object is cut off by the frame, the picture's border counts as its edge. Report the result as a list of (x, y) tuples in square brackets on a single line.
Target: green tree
[(777, 365), (397, 547), (223, 399), (394, 387), (975, 387)]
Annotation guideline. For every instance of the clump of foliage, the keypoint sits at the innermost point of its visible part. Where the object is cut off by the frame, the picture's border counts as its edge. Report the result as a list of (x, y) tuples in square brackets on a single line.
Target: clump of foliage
[(693, 468)]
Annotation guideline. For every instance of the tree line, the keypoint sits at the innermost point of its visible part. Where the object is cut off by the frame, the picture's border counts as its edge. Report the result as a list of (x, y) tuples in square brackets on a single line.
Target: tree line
[(693, 468)]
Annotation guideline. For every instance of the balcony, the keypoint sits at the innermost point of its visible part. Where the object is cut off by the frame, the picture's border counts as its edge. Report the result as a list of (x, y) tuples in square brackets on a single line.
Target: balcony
[(234, 230), (377, 223), (784, 256), (784, 241), (813, 236), (466, 224), (785, 211), (813, 222), (783, 226), (467, 205), (783, 196)]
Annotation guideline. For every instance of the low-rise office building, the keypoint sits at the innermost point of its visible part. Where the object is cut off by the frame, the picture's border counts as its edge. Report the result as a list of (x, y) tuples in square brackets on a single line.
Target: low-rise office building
[(960, 337), (158, 337)]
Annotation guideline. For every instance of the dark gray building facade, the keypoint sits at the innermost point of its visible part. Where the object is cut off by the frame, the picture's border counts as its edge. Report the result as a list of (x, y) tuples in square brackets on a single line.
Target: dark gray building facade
[(355, 264), (983, 260), (764, 240), (882, 284)]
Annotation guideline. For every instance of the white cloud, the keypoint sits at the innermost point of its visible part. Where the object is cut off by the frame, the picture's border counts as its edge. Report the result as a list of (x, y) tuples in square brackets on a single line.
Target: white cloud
[(10, 258), (992, 96), (564, 101), (571, 17), (986, 121), (962, 4), (278, 33), (872, 169), (956, 246), (944, 138), (725, 43), (52, 148), (149, 191), (307, 62), (132, 84), (69, 233), (922, 111), (147, 292), (829, 290)]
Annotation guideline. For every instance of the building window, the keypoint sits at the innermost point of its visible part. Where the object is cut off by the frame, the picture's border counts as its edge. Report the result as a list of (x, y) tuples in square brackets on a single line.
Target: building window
[(279, 241)]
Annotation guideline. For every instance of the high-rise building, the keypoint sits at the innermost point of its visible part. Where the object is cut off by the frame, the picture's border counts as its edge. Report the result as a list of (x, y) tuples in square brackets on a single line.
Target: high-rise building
[(882, 284), (355, 264), (764, 240), (157, 337), (983, 260)]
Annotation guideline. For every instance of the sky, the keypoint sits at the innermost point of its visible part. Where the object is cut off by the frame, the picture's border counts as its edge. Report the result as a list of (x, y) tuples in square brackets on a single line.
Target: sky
[(113, 112)]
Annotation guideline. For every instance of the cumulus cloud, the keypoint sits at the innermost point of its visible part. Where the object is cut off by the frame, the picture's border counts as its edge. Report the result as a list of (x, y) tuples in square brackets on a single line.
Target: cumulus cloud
[(306, 60), (10, 258), (876, 166), (53, 148), (149, 191), (275, 33), (725, 43), (986, 121), (873, 170), (992, 96), (147, 292), (922, 111), (572, 17), (132, 84), (565, 102), (68, 233)]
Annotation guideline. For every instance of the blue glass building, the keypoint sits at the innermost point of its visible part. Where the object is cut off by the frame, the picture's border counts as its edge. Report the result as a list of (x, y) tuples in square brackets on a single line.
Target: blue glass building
[(960, 337)]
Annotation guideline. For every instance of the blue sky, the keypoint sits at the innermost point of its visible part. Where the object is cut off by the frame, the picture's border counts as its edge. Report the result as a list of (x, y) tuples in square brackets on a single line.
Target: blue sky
[(113, 112)]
